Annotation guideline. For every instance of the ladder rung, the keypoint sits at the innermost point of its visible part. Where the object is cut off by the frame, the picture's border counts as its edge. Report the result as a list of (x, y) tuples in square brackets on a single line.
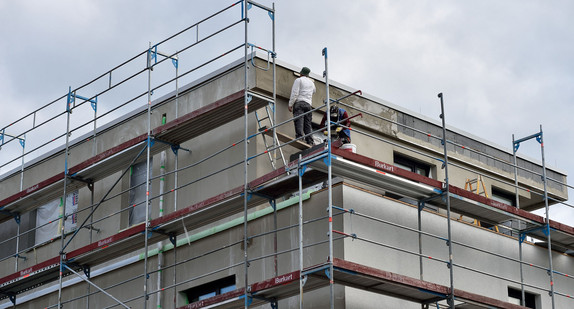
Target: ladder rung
[(263, 128)]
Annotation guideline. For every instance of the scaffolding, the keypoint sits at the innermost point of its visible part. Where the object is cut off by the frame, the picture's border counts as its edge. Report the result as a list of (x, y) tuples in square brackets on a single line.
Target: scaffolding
[(280, 186)]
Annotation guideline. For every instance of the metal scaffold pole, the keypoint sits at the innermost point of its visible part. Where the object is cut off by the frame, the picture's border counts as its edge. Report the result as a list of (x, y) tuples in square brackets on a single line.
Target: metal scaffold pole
[(516, 144), (300, 171), (447, 196), (551, 270), (330, 182), (147, 182), (69, 106), (520, 237), (275, 144), (246, 155)]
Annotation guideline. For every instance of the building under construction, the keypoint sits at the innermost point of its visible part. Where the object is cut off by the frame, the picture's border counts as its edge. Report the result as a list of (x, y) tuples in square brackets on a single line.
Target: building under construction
[(174, 180)]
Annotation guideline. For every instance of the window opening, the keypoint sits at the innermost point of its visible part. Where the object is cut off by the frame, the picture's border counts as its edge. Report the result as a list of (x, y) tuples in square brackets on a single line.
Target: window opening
[(210, 289), (412, 165), (514, 296), (503, 196)]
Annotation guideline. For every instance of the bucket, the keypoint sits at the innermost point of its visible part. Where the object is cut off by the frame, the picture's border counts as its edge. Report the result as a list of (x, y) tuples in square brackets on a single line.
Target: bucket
[(349, 147)]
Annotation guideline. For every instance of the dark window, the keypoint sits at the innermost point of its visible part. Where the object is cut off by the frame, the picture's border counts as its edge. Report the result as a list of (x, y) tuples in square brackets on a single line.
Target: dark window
[(514, 296), (503, 196), (210, 289), (412, 165), (9, 231)]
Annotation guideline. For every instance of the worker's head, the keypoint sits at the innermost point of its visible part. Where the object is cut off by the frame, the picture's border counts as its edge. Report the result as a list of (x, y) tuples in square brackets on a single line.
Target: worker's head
[(305, 71), (334, 111)]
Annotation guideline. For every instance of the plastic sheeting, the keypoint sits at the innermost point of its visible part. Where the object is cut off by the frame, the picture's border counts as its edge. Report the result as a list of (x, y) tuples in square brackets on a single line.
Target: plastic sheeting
[(47, 218)]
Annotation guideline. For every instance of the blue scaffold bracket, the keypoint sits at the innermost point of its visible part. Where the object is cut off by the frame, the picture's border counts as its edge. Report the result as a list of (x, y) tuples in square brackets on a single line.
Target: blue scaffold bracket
[(22, 142), (302, 170), (249, 98), (94, 104), (327, 159), (522, 238), (538, 137), (152, 55), (2, 137), (273, 204), (249, 196), (175, 149), (17, 218), (248, 300), (546, 230), (327, 273), (72, 100), (271, 15), (421, 206), (150, 141), (249, 6)]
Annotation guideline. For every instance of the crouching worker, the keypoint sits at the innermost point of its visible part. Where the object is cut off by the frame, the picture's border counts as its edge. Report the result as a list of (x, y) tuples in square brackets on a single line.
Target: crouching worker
[(340, 127)]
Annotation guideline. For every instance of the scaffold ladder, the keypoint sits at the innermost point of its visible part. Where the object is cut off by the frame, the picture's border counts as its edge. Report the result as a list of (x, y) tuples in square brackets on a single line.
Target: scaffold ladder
[(479, 190), (480, 187), (264, 124)]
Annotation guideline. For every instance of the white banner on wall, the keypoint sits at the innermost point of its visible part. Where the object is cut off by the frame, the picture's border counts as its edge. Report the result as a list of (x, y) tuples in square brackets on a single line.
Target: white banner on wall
[(48, 216)]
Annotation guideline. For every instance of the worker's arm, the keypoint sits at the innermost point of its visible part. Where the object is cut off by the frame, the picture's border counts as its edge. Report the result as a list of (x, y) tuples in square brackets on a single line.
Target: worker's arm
[(346, 122), (294, 93)]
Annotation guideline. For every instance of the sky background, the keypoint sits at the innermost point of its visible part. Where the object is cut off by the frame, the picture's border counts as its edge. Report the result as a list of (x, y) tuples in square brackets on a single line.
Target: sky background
[(505, 67)]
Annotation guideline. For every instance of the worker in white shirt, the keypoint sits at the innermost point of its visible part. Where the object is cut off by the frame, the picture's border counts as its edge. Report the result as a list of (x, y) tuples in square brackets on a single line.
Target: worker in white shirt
[(300, 103)]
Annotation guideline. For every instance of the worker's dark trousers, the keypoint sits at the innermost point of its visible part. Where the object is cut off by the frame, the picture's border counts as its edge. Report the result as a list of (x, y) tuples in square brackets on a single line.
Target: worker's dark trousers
[(303, 124)]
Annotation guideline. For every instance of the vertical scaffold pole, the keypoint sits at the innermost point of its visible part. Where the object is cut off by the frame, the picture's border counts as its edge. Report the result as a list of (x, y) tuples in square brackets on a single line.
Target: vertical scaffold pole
[(23, 144), (447, 195), (70, 99), (551, 270), (420, 207), (300, 172), (517, 202), (147, 181), (17, 218), (330, 182), (275, 144), (540, 138), (246, 155), (175, 176)]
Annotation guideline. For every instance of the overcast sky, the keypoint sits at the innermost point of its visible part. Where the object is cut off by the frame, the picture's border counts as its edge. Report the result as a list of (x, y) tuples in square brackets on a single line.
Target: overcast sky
[(505, 67)]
